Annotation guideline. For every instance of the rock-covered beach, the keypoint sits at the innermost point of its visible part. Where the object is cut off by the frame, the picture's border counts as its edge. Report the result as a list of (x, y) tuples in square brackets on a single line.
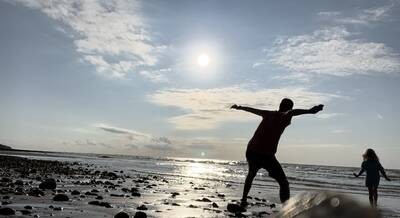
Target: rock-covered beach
[(51, 188)]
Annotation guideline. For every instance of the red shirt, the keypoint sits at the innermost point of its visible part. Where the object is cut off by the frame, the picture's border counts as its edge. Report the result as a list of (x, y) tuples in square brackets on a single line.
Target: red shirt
[(266, 138)]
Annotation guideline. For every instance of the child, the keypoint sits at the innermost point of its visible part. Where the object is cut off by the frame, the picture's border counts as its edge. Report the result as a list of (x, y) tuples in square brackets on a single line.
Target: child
[(262, 147), (372, 166)]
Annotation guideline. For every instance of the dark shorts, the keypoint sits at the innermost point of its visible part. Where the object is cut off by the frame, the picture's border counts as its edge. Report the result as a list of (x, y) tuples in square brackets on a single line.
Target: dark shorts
[(269, 163)]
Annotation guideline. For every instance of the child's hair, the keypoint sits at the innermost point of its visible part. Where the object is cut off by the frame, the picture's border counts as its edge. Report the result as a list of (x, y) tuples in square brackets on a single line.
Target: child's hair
[(370, 155)]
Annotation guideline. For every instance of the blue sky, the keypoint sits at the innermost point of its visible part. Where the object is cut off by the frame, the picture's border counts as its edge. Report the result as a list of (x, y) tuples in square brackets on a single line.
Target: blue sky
[(123, 76)]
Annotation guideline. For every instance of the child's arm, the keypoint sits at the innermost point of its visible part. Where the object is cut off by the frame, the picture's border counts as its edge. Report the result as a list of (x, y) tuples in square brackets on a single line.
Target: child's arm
[(249, 109), (383, 172), (359, 174), (313, 110)]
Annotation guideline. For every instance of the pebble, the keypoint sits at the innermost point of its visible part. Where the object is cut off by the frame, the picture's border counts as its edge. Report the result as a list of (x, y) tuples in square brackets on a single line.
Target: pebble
[(102, 204), (121, 214), (75, 192), (142, 207), (19, 182), (204, 200), (7, 211), (235, 208), (25, 212), (48, 184), (140, 214), (60, 197), (36, 192)]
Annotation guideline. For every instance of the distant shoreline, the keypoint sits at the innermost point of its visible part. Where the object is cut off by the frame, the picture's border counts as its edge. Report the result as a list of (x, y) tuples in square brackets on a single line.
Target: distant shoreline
[(10, 149)]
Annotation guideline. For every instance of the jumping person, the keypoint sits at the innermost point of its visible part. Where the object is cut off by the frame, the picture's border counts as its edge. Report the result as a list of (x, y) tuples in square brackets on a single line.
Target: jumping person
[(372, 166), (262, 147)]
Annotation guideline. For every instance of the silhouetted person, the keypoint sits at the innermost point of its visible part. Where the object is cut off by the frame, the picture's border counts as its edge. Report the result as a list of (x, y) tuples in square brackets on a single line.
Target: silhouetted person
[(372, 166), (262, 147)]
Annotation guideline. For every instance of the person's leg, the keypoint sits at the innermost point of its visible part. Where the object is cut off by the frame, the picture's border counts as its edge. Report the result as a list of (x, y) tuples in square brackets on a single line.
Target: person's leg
[(253, 169), (376, 196), (371, 195), (275, 171)]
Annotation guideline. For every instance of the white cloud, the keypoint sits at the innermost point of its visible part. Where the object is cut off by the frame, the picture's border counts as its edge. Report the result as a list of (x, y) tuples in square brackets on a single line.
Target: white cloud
[(330, 51), (207, 108), (359, 17), (156, 76), (110, 35), (136, 139), (134, 136), (328, 115)]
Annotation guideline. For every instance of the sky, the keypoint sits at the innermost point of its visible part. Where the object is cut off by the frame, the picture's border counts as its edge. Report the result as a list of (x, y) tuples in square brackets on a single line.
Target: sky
[(157, 78)]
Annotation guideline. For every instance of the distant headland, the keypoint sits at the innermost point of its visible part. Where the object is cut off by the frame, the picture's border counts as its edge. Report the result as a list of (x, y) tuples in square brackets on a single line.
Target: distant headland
[(5, 147)]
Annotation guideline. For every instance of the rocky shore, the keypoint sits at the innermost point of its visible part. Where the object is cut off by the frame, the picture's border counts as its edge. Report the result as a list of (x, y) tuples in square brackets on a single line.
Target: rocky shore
[(44, 188)]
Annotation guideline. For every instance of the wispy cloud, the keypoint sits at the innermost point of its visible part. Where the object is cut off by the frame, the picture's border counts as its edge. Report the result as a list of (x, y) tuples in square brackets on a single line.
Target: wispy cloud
[(331, 51), (110, 35), (328, 115), (156, 76), (138, 138), (359, 17), (207, 108), (87, 142)]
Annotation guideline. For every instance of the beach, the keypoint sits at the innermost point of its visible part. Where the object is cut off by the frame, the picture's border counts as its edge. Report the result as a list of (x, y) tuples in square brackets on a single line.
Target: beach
[(91, 185)]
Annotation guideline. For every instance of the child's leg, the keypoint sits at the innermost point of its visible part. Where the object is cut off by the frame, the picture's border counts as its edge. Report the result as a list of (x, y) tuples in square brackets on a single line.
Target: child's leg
[(371, 195), (376, 196), (253, 169)]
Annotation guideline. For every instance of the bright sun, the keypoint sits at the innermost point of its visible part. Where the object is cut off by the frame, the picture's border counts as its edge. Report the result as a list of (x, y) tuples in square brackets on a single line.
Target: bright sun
[(203, 60)]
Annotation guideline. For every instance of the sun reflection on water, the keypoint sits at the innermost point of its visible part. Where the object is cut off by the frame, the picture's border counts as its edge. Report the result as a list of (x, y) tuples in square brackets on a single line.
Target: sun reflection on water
[(202, 170)]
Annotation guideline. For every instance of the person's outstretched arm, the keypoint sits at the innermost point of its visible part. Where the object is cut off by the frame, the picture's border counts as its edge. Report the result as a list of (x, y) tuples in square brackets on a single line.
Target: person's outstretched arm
[(383, 172), (313, 110), (249, 109), (359, 174)]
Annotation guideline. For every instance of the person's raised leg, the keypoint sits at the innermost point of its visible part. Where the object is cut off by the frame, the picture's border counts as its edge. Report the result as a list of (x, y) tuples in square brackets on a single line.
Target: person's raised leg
[(275, 171), (253, 169)]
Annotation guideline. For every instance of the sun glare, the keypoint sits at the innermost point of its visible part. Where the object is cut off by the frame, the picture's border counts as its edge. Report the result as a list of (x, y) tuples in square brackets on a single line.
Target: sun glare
[(203, 60)]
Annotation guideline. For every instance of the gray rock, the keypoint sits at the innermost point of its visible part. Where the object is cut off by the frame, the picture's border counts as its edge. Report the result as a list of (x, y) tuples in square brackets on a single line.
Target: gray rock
[(48, 184), (122, 214), (60, 197), (142, 207), (235, 208), (7, 211), (140, 214)]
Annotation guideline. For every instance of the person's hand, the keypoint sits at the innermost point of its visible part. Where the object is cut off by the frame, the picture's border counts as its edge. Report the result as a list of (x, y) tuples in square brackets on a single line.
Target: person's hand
[(235, 106), (317, 109), (355, 174)]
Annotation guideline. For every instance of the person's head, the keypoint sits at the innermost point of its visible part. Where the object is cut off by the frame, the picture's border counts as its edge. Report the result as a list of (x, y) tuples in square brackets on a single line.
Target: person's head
[(370, 154), (286, 104)]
